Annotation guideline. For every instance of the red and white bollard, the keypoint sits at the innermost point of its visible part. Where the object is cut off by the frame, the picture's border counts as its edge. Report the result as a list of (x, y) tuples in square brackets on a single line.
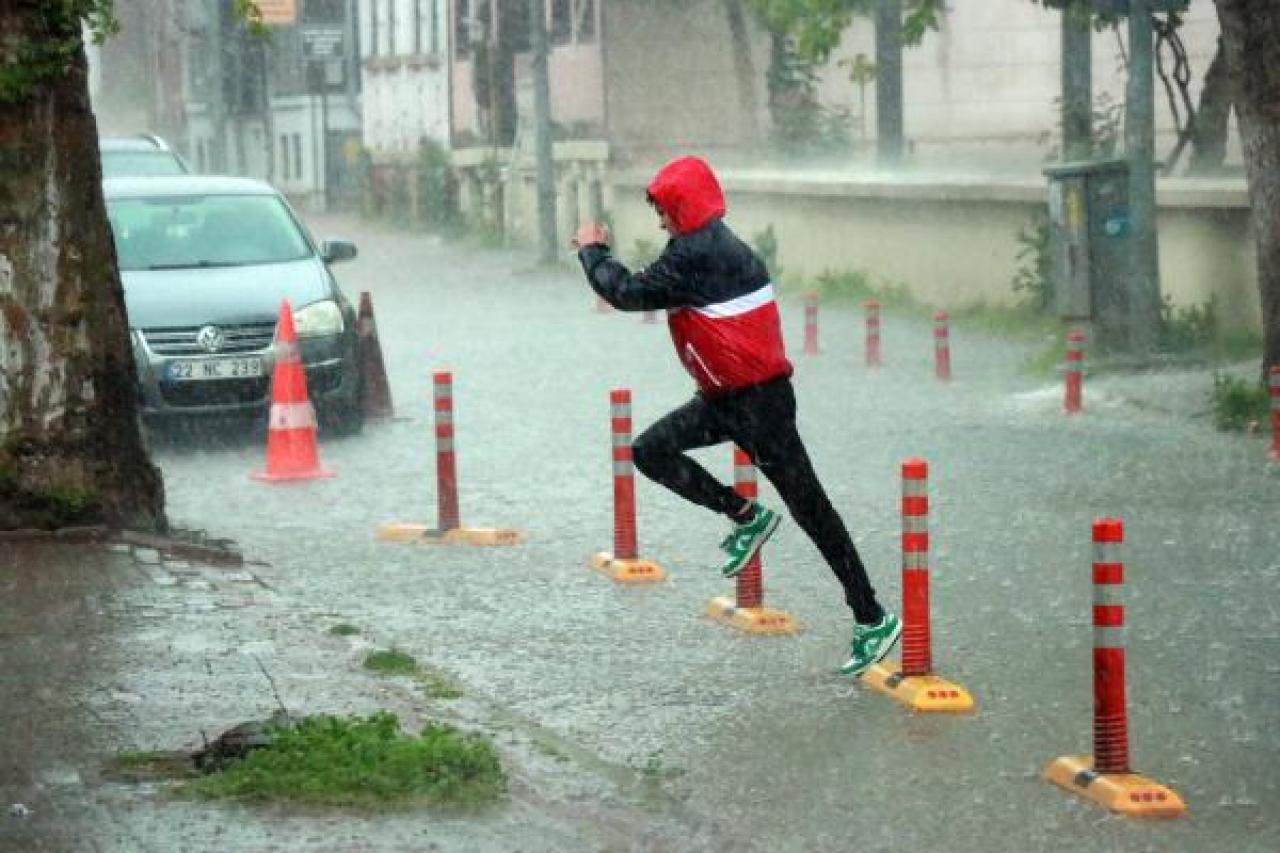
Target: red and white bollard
[(1073, 376), (446, 457), (448, 529), (623, 563), (1273, 390), (916, 659), (941, 346), (746, 611), (913, 683), (872, 308), (1105, 777), (811, 324)]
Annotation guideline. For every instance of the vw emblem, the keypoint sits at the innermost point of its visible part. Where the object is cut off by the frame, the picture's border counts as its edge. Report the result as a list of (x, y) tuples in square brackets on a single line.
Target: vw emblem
[(210, 339)]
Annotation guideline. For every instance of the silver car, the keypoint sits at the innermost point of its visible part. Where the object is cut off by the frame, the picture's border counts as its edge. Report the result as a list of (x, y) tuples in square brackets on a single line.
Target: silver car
[(206, 263)]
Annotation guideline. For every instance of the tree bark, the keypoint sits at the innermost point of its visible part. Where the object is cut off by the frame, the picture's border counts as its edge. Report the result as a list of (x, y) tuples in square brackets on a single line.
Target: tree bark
[(1251, 37), (72, 449), (1209, 132)]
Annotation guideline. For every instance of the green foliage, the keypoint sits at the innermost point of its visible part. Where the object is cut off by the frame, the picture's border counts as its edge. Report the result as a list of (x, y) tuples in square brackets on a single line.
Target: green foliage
[(857, 284), (57, 39), (1033, 279), (802, 125), (342, 629), (817, 25), (1238, 405), (364, 762), (766, 245), (391, 662), (436, 197), (1189, 328)]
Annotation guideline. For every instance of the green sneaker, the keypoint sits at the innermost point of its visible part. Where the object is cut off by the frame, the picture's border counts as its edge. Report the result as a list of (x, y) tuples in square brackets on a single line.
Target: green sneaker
[(744, 541), (871, 643)]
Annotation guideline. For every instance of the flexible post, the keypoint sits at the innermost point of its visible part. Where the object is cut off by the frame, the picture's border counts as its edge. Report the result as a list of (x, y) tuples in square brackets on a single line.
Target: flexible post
[(916, 658), (872, 308), (1110, 716), (750, 589), (624, 486), (811, 324), (941, 346), (446, 462), (1273, 389), (1073, 376)]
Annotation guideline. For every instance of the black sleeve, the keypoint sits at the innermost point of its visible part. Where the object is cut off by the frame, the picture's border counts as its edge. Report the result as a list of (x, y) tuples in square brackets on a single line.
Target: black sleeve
[(662, 284)]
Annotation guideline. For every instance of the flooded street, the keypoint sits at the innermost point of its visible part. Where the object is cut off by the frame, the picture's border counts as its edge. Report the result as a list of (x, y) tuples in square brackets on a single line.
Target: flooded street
[(630, 721)]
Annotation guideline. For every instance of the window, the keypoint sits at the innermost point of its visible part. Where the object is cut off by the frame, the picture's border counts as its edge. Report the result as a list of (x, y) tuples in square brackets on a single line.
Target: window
[(391, 26), (461, 28), (373, 26), (415, 21), (284, 156), (297, 155), (584, 21), (561, 21)]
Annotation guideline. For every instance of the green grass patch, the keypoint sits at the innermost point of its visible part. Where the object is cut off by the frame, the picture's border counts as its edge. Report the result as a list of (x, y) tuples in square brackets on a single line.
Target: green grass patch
[(342, 629), (363, 762), (1237, 404), (391, 662), (437, 685)]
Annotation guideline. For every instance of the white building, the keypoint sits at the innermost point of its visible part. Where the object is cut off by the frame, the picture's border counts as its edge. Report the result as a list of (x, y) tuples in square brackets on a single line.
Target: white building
[(404, 47)]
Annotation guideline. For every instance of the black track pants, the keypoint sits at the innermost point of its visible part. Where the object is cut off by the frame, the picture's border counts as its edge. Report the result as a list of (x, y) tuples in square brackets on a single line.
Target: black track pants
[(762, 421)]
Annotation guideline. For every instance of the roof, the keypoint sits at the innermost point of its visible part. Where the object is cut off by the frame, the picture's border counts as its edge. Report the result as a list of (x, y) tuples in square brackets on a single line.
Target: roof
[(179, 185)]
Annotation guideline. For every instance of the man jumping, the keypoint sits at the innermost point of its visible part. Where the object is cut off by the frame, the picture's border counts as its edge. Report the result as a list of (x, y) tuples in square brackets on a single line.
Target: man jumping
[(727, 332)]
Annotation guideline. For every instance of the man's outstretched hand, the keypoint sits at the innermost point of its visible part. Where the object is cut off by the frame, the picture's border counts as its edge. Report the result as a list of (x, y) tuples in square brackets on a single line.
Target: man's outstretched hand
[(591, 234)]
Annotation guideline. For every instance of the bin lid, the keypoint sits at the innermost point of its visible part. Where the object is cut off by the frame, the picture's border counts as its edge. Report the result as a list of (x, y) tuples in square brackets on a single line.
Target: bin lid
[(1086, 167)]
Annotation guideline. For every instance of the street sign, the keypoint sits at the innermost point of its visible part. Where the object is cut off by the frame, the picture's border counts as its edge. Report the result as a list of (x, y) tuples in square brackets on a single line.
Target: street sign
[(278, 12), (323, 41)]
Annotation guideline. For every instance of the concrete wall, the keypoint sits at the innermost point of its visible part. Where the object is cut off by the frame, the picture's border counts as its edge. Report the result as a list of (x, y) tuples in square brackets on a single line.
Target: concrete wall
[(987, 80), (669, 80), (954, 242)]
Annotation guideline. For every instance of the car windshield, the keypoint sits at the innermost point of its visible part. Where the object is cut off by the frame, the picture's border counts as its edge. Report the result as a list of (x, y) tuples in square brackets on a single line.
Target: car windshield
[(126, 164), (183, 232)]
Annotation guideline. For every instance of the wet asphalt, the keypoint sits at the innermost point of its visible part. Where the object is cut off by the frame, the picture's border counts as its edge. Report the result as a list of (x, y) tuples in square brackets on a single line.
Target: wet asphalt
[(628, 721)]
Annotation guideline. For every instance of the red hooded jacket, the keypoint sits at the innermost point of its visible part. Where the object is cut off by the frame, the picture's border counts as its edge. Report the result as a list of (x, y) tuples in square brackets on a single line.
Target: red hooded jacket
[(720, 303)]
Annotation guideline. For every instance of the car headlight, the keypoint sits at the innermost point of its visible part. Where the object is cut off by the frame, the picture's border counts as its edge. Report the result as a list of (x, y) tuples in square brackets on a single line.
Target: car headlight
[(318, 318)]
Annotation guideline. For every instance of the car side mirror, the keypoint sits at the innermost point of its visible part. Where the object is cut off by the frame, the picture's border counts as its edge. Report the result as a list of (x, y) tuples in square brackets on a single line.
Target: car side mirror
[(333, 251)]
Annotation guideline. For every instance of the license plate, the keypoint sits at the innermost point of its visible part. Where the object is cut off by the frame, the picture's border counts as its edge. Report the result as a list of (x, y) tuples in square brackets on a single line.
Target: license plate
[(197, 369)]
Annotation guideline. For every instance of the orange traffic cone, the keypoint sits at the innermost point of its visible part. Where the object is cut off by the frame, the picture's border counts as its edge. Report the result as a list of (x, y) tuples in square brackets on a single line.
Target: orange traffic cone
[(375, 393), (291, 429)]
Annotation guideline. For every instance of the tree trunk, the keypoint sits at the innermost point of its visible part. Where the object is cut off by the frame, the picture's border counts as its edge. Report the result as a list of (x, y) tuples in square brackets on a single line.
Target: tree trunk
[(744, 72), (1209, 133), (72, 450), (1251, 36)]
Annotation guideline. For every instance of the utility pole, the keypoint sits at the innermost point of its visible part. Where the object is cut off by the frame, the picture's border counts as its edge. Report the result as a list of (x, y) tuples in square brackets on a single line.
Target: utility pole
[(542, 132), (1077, 81), (889, 125), (1143, 290)]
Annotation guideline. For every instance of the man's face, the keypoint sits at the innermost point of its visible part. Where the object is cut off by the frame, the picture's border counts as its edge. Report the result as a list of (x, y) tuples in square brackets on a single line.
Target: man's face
[(664, 221)]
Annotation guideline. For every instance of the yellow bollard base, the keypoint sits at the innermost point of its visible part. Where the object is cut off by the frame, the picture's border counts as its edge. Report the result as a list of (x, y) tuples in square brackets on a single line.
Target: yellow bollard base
[(626, 571), (1126, 793), (926, 694), (752, 620), (420, 534)]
